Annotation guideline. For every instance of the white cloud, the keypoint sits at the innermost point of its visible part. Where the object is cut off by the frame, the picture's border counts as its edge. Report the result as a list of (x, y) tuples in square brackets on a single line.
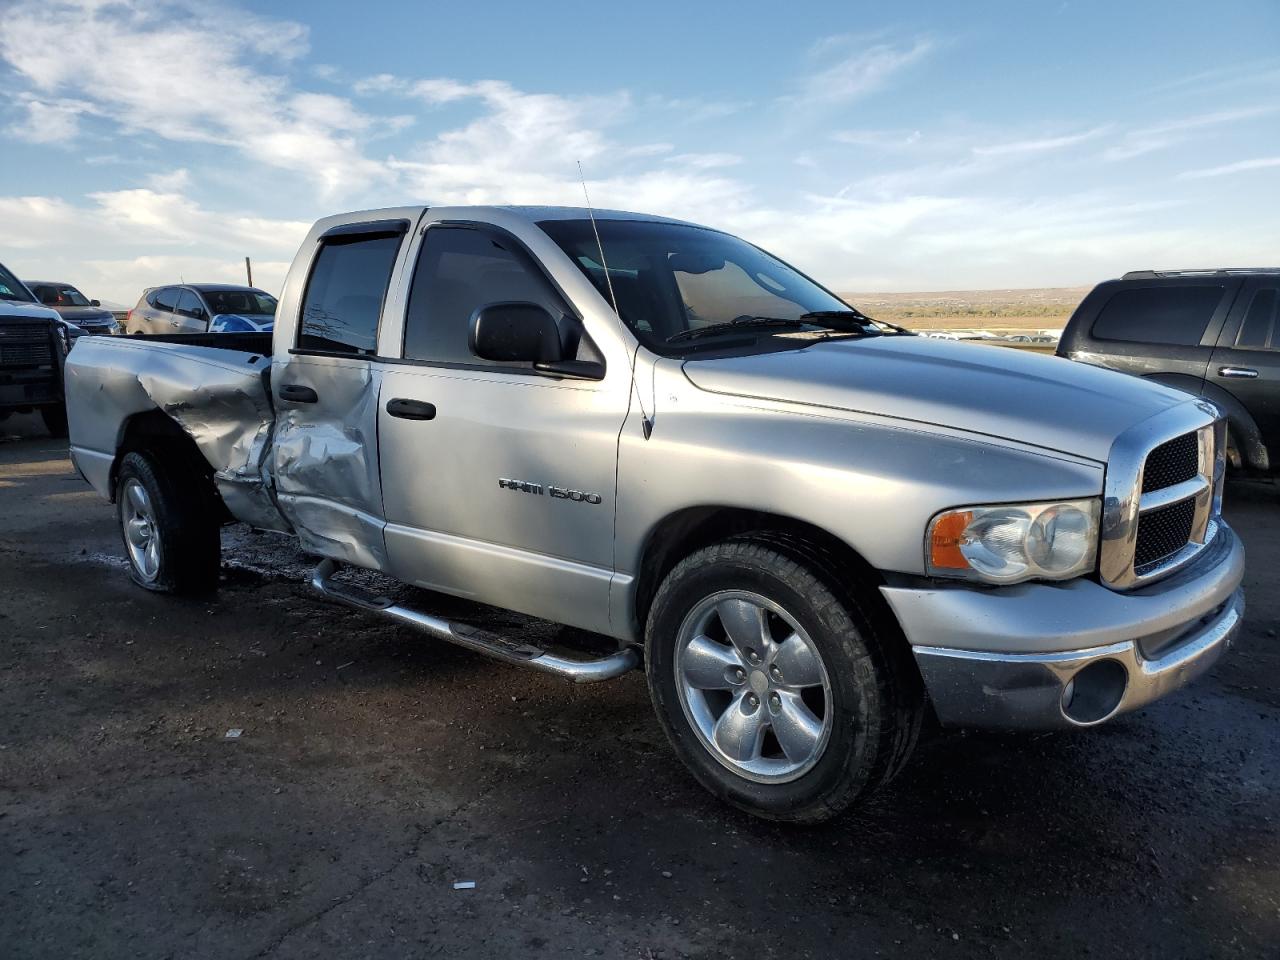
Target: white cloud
[(851, 67), (209, 89), (1161, 136), (1037, 145), (706, 161), (1240, 166), (151, 235)]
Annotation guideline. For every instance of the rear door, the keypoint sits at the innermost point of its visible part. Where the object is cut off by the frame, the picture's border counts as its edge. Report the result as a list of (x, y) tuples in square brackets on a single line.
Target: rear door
[(1162, 328), (159, 316), (1246, 362), (189, 316), (498, 482), (325, 383)]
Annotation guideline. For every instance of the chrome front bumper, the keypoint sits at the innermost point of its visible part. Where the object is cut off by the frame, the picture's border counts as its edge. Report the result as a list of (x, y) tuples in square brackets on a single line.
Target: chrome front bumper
[(1041, 656)]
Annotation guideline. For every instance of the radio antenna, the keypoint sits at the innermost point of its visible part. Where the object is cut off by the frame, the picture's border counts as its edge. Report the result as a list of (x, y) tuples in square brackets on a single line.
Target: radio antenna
[(645, 422)]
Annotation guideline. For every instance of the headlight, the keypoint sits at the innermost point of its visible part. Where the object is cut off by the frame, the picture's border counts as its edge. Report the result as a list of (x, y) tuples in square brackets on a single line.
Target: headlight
[(1009, 543)]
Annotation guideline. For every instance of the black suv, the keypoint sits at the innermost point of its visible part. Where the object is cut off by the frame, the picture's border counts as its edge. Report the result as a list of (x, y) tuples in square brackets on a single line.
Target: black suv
[(1213, 333)]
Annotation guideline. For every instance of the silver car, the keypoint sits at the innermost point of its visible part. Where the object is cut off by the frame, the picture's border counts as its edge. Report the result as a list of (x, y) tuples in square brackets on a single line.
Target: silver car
[(201, 308)]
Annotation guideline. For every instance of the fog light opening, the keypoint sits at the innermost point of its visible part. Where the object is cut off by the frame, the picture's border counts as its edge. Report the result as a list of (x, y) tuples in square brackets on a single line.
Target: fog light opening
[(1095, 692)]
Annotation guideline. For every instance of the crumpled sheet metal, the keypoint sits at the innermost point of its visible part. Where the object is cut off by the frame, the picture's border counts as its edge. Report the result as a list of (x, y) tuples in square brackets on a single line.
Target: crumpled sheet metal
[(335, 456), (219, 397)]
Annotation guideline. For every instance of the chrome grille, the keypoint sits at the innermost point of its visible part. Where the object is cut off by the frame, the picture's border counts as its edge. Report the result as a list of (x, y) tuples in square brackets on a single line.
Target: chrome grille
[(1162, 490), (1162, 533), (1174, 461)]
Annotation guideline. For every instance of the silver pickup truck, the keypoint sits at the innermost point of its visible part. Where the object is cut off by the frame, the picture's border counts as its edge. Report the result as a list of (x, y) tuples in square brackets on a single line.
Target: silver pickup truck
[(810, 527)]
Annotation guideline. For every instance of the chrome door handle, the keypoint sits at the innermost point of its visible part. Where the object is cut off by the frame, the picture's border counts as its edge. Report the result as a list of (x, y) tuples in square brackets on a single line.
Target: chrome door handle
[(1238, 373)]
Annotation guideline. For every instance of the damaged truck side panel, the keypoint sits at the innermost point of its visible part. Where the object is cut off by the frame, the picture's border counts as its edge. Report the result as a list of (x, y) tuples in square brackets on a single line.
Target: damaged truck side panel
[(220, 398)]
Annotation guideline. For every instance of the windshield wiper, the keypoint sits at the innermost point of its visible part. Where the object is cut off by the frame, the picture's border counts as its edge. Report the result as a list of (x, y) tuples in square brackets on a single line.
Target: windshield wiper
[(860, 321), (735, 325)]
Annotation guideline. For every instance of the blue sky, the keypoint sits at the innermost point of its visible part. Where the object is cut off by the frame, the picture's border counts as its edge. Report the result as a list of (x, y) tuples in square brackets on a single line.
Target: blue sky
[(908, 146)]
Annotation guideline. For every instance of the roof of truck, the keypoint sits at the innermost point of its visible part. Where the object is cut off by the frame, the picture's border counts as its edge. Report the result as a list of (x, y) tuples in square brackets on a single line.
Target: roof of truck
[(537, 213)]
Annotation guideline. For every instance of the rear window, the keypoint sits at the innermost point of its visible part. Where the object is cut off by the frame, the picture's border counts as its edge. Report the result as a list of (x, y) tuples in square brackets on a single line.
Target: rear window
[(1174, 314), (344, 295)]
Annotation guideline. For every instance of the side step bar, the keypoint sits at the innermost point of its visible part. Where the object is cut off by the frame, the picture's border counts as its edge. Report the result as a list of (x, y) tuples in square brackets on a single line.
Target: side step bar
[(482, 641)]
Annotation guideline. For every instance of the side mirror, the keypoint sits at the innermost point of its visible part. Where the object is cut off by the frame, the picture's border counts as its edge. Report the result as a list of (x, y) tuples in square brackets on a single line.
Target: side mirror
[(95, 303), (515, 332)]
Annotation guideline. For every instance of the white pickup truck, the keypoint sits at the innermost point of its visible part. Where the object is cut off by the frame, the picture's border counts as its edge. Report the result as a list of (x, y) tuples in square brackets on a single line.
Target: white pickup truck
[(810, 527)]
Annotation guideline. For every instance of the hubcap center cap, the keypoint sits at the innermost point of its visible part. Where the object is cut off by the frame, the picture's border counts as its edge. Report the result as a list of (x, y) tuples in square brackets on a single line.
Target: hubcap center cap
[(759, 683)]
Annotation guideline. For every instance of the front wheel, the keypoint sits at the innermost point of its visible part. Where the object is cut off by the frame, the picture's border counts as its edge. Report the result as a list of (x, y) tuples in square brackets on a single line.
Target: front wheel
[(772, 683)]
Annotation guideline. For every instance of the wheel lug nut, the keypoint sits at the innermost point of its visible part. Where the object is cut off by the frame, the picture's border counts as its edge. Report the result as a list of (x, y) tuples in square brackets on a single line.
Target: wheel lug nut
[(775, 701), (775, 672), (753, 701), (753, 656), (740, 675)]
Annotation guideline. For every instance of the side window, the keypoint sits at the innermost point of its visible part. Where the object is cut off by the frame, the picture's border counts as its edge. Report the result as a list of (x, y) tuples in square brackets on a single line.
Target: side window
[(345, 292), (189, 306), (1174, 314), (165, 299), (459, 270), (1258, 332)]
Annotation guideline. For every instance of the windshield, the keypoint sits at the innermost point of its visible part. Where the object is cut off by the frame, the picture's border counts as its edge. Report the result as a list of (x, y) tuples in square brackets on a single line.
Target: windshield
[(11, 288), (671, 278), (243, 302), (59, 295)]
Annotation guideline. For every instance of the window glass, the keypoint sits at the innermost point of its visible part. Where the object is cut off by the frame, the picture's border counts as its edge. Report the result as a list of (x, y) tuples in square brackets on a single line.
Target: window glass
[(166, 299), (244, 302), (189, 305), (669, 278), (11, 288), (1174, 314), (344, 295), (1258, 330), (460, 270)]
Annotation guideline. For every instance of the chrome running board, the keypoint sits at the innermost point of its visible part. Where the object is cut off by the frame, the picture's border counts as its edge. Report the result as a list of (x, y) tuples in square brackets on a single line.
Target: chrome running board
[(481, 641)]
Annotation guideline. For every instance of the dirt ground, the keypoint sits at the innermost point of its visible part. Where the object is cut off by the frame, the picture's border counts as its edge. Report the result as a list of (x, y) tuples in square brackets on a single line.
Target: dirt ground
[(377, 767)]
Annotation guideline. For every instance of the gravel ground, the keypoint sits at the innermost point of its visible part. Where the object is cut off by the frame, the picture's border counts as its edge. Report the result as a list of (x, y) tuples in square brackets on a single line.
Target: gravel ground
[(376, 768)]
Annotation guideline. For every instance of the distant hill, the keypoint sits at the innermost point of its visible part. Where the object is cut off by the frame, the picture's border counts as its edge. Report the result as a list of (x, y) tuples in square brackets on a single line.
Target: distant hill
[(1031, 309)]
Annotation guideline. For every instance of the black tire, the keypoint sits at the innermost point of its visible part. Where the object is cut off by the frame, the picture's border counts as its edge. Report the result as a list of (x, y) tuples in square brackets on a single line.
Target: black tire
[(877, 700), (185, 526), (55, 420)]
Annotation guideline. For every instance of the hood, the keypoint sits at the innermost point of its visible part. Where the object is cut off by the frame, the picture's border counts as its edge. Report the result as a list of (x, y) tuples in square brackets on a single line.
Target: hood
[(1000, 392), (90, 315), (13, 309)]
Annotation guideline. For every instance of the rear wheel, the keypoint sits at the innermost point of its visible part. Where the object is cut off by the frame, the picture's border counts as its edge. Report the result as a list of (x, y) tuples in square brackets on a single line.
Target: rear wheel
[(772, 684), (170, 531)]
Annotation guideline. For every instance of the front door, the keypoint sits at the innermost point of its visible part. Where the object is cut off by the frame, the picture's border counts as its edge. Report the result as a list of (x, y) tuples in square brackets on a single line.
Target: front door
[(498, 483), (325, 385), (1246, 362)]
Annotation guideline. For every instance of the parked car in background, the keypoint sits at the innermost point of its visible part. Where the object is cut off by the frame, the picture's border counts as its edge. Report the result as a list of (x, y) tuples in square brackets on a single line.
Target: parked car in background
[(1212, 333), (34, 342), (73, 306), (202, 308)]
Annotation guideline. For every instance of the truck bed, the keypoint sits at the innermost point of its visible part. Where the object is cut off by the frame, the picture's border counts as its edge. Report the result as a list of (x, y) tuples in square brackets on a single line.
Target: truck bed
[(215, 387)]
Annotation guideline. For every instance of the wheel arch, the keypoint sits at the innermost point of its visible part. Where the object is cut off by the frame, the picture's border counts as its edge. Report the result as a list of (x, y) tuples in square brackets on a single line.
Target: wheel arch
[(681, 533), (155, 433)]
